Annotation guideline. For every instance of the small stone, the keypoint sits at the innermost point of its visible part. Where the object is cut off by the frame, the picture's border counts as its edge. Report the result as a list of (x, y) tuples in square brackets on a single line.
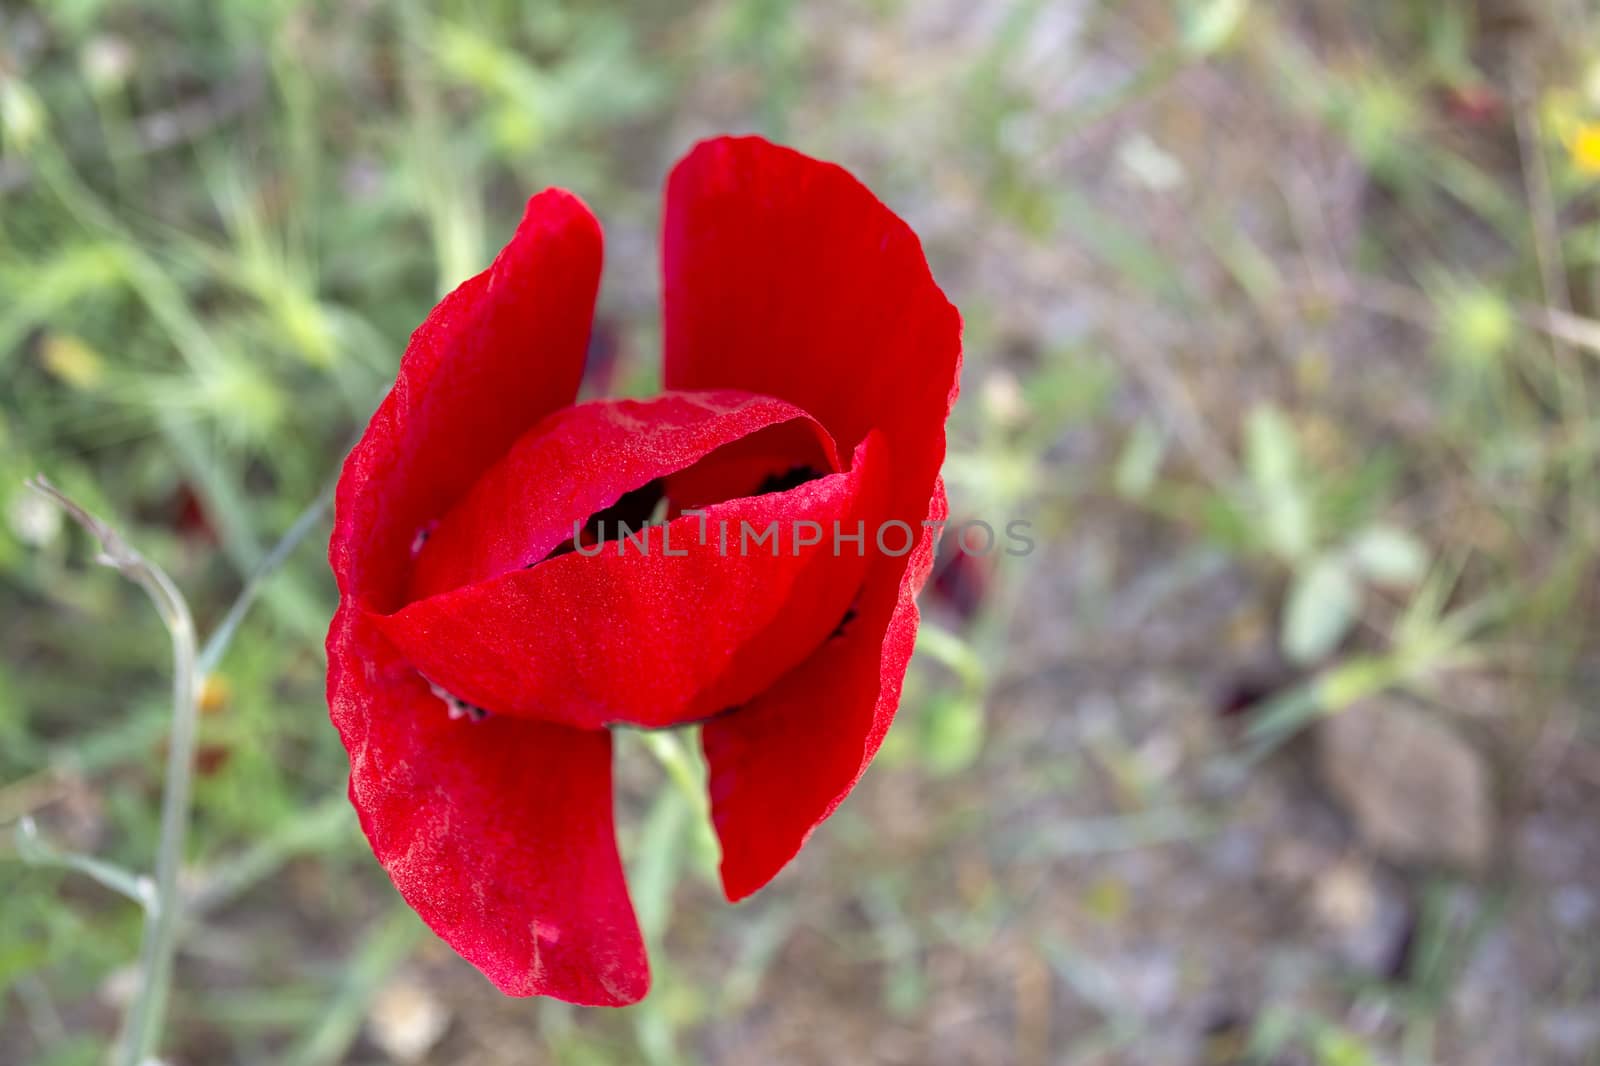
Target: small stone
[(1415, 790), (1363, 915), (1345, 897), (406, 1019)]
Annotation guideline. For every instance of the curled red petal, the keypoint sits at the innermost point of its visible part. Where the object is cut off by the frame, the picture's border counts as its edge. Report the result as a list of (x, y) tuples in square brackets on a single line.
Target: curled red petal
[(782, 764), (786, 276), (582, 459), (498, 833), (672, 625), (495, 356), (484, 827)]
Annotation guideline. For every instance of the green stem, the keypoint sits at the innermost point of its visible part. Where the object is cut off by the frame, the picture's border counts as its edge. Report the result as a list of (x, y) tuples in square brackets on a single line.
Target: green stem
[(673, 755), (220, 637), (33, 850), (955, 653), (142, 1026)]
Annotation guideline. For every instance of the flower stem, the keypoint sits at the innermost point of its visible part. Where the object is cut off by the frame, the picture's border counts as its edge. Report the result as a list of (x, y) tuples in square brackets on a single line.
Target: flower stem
[(220, 637), (35, 851), (164, 918), (142, 1026), (675, 758)]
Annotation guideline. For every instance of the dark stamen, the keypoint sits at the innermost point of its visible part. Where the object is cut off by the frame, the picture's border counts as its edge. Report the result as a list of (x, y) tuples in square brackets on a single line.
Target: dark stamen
[(632, 509), (791, 478)]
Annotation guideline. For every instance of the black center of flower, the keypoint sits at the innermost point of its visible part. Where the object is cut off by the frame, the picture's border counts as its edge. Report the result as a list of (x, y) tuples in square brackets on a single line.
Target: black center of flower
[(631, 512), (634, 509), (791, 478)]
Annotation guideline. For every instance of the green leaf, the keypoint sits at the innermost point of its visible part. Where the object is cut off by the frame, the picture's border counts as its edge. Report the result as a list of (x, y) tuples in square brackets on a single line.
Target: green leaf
[(1386, 555), (1211, 24), (1476, 323), (659, 860), (952, 733), (1335, 1047), (22, 116), (1140, 462), (1272, 457), (1322, 604)]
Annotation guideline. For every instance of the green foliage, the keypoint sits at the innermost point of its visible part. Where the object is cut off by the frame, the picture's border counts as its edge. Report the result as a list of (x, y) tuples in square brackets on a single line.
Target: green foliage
[(1210, 25), (1322, 603), (1296, 342), (1279, 481)]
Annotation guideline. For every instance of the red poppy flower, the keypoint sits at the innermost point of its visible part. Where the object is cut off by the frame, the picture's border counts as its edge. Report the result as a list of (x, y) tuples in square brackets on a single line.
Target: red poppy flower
[(481, 649)]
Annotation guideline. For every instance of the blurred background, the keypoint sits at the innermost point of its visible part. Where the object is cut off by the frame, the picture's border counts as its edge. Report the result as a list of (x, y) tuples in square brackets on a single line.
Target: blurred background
[(1281, 327)]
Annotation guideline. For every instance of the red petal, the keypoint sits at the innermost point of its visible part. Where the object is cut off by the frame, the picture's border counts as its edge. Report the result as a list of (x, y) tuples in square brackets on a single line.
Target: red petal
[(498, 833), (581, 460), (782, 764), (654, 639), (498, 354), (786, 276)]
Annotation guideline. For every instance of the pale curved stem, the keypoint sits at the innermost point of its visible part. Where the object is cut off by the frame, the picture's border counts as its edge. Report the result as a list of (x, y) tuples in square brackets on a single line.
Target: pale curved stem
[(142, 1026)]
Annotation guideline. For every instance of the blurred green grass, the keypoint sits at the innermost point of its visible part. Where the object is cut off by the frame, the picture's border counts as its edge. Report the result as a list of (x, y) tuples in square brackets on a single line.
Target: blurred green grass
[(1299, 295)]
